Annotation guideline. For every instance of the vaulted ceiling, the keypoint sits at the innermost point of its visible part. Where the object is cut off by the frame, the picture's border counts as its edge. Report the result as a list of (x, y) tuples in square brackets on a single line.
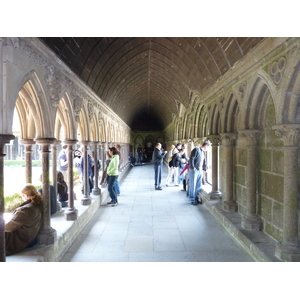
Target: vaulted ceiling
[(144, 79)]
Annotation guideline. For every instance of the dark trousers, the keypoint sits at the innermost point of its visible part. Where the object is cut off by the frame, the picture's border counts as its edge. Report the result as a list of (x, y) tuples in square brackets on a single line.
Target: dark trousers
[(157, 174)]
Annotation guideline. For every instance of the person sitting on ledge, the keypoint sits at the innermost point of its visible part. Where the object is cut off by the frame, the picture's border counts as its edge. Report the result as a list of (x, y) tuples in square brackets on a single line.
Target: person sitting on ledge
[(22, 230), (62, 190)]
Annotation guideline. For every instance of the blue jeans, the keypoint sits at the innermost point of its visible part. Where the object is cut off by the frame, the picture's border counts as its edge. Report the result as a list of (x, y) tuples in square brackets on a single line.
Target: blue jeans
[(117, 187), (111, 187), (195, 180), (157, 175), (139, 158)]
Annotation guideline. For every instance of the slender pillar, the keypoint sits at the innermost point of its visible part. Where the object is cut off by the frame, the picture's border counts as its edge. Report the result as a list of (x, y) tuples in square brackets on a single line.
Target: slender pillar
[(215, 192), (288, 249), (96, 190), (4, 139), (228, 203), (251, 220), (28, 158), (47, 234), (54, 171), (71, 213), (86, 200), (104, 158)]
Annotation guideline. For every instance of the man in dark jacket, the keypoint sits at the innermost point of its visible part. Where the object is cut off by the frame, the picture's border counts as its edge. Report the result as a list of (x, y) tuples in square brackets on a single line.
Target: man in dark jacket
[(157, 159), (195, 172)]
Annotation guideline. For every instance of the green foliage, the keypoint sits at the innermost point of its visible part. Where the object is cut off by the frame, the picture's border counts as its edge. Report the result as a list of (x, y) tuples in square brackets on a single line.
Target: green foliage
[(12, 202)]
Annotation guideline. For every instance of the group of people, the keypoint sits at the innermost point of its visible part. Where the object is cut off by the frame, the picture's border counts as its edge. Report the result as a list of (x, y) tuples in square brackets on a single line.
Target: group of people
[(21, 231), (78, 162), (191, 168), (23, 228)]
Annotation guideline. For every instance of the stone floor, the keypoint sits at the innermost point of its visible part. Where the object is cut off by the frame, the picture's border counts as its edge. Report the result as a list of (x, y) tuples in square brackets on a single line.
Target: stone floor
[(154, 226)]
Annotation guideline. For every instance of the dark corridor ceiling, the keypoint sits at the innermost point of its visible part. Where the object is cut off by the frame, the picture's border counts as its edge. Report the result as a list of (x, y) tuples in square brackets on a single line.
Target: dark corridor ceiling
[(144, 79)]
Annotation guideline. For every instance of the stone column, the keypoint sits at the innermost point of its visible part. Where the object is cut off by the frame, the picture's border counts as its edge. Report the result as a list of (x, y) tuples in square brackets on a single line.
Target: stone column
[(251, 220), (96, 190), (215, 193), (86, 200), (28, 158), (47, 234), (71, 212), (288, 249), (54, 171), (4, 139), (228, 203)]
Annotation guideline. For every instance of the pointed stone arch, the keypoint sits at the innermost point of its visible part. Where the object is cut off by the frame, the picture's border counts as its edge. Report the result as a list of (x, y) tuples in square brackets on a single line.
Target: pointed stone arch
[(253, 111), (65, 124), (290, 107), (215, 122), (33, 109), (202, 121), (102, 128), (83, 124), (229, 121)]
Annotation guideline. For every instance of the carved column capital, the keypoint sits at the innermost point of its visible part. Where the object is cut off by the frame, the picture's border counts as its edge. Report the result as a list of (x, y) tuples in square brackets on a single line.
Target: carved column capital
[(289, 132), (228, 138), (45, 141), (252, 136), (70, 142), (84, 143), (215, 139), (27, 142)]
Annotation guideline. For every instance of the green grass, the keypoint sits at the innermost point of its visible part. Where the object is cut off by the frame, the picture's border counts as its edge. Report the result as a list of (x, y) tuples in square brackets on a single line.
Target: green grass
[(21, 163)]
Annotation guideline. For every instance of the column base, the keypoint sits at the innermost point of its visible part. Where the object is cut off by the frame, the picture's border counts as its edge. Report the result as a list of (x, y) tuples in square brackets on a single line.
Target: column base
[(96, 191), (71, 215), (252, 223), (48, 237), (287, 252), (215, 195), (229, 206), (86, 201)]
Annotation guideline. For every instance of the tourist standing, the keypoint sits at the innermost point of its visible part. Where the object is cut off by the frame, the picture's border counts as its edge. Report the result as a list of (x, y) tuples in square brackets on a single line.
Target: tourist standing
[(157, 159)]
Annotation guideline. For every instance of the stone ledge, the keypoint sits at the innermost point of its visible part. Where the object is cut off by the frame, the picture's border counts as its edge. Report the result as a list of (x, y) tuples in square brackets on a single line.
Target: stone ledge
[(67, 231), (259, 245)]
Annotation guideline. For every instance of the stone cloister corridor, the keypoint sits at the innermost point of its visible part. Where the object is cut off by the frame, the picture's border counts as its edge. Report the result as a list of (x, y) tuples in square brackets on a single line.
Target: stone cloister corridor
[(241, 94)]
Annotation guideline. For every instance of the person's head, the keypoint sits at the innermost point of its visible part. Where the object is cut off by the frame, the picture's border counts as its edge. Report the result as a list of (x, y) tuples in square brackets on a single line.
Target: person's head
[(205, 145), (180, 152), (179, 146), (77, 153), (65, 147), (172, 147), (29, 192), (113, 150), (60, 176), (158, 146)]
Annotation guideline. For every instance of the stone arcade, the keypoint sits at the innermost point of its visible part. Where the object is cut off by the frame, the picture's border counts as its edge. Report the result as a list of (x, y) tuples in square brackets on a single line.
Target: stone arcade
[(241, 94)]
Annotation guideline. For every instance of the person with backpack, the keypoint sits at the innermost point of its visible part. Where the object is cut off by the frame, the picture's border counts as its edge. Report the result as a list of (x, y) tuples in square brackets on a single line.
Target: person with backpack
[(174, 163)]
